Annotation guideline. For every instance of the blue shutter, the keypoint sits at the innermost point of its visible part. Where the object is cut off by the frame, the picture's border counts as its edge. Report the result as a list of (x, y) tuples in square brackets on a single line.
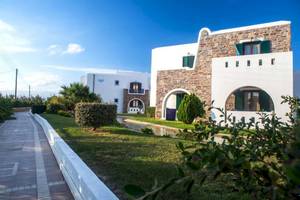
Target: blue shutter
[(265, 46), (239, 49)]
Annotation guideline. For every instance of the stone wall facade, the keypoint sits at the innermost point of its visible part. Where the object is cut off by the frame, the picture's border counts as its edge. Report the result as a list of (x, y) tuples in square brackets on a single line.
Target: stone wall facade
[(198, 80), (127, 97)]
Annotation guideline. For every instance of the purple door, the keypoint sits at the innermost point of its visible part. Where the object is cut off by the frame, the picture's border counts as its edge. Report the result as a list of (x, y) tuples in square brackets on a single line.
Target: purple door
[(170, 114)]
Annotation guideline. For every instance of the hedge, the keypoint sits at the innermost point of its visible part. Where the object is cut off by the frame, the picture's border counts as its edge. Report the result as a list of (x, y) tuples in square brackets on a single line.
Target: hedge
[(150, 112), (38, 109), (54, 107), (64, 113), (95, 114), (5, 112)]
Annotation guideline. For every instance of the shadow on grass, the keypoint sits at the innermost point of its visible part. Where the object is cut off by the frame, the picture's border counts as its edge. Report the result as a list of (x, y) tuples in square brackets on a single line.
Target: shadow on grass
[(119, 163)]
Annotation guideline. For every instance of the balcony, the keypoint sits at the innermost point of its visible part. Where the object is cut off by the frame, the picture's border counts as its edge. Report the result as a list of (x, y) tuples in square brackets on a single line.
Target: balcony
[(132, 91), (258, 61)]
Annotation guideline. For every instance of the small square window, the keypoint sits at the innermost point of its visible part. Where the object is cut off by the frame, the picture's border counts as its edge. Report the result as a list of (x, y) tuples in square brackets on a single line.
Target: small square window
[(237, 63), (116, 82), (226, 64), (272, 61), (260, 62), (116, 100), (248, 63)]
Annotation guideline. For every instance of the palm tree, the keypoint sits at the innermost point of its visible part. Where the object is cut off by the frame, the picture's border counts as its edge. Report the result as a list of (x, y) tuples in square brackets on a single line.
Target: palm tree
[(76, 93)]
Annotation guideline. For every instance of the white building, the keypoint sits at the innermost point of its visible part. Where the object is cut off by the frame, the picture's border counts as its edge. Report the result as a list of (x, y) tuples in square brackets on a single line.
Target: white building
[(127, 89), (243, 70)]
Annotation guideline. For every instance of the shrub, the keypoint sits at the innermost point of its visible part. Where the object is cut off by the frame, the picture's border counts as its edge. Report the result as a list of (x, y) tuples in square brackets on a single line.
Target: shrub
[(190, 108), (263, 165), (64, 113), (54, 107), (150, 112), (5, 112), (95, 114), (147, 131), (38, 109)]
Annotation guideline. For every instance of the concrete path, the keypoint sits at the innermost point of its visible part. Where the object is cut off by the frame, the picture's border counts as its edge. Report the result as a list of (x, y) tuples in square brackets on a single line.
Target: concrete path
[(28, 169)]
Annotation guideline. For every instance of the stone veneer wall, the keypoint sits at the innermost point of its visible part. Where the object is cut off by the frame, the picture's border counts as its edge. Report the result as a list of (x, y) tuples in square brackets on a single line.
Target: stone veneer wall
[(127, 97), (198, 81)]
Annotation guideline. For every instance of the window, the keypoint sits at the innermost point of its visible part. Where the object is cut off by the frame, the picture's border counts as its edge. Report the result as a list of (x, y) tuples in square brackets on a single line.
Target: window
[(257, 47), (237, 63), (136, 104), (136, 87), (116, 100), (116, 82), (249, 99), (272, 61), (248, 63), (188, 61), (260, 62), (251, 48), (226, 64)]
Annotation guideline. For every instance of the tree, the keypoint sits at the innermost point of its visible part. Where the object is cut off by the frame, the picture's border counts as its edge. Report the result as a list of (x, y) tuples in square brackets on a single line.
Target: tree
[(190, 108), (76, 93)]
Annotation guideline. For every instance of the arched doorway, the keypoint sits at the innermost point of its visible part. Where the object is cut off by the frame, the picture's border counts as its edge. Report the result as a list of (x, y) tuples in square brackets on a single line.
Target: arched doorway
[(249, 98), (136, 106), (171, 103)]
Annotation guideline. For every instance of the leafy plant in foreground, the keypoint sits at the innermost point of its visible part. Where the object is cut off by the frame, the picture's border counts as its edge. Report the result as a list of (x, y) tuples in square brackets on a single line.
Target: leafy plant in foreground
[(262, 163)]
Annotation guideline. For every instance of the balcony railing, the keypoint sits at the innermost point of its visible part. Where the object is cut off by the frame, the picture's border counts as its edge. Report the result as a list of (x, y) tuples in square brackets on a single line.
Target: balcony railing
[(140, 91)]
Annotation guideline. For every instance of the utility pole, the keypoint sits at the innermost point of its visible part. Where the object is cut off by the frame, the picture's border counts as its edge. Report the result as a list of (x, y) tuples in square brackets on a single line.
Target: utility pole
[(29, 92), (16, 83)]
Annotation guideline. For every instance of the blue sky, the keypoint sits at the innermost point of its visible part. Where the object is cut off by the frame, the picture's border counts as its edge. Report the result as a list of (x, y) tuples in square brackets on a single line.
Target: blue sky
[(53, 42)]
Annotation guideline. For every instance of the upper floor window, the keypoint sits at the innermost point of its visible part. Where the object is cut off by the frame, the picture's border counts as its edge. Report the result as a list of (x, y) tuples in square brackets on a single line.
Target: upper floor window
[(257, 47), (188, 61), (116, 82), (135, 87)]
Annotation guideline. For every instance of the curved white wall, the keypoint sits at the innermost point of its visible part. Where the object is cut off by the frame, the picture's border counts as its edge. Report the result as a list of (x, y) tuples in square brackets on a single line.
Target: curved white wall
[(276, 80)]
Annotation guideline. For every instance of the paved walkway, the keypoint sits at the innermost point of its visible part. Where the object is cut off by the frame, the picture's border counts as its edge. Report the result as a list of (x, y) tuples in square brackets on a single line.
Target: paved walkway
[(28, 169)]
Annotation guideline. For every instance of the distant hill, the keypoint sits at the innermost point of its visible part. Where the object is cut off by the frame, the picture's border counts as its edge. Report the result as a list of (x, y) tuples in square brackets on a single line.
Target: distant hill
[(297, 83)]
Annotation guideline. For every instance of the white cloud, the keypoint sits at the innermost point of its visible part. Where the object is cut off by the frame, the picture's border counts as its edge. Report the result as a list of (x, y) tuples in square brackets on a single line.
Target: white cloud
[(42, 79), (72, 48), (5, 26), (11, 41), (54, 49)]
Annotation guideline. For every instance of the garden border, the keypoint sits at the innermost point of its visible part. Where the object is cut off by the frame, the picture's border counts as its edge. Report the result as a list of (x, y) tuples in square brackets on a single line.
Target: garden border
[(82, 181)]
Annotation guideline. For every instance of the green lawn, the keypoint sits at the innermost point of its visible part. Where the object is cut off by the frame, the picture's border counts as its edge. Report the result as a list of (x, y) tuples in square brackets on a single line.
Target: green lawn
[(120, 156), (174, 124)]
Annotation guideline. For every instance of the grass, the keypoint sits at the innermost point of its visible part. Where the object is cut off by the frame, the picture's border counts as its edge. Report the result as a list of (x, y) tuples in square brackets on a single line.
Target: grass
[(120, 157), (173, 124)]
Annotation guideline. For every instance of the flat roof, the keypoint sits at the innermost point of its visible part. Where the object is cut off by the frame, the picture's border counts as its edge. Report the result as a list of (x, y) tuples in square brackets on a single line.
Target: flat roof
[(244, 28)]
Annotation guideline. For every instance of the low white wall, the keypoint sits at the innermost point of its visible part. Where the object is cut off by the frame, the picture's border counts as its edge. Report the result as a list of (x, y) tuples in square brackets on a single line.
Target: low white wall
[(83, 183)]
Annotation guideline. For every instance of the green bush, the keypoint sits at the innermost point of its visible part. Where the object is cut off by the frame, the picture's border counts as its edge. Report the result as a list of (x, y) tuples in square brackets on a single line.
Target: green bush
[(5, 112), (263, 165), (64, 113), (150, 112), (38, 109), (148, 131), (190, 108), (95, 114), (54, 107)]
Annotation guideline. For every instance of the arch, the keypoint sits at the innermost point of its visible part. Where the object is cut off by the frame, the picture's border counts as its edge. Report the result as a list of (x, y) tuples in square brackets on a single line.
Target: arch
[(249, 98), (164, 102), (142, 110)]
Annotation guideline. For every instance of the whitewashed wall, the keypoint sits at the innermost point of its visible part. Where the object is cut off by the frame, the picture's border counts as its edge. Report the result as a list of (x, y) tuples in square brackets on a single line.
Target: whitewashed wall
[(165, 58), (276, 80), (106, 88)]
